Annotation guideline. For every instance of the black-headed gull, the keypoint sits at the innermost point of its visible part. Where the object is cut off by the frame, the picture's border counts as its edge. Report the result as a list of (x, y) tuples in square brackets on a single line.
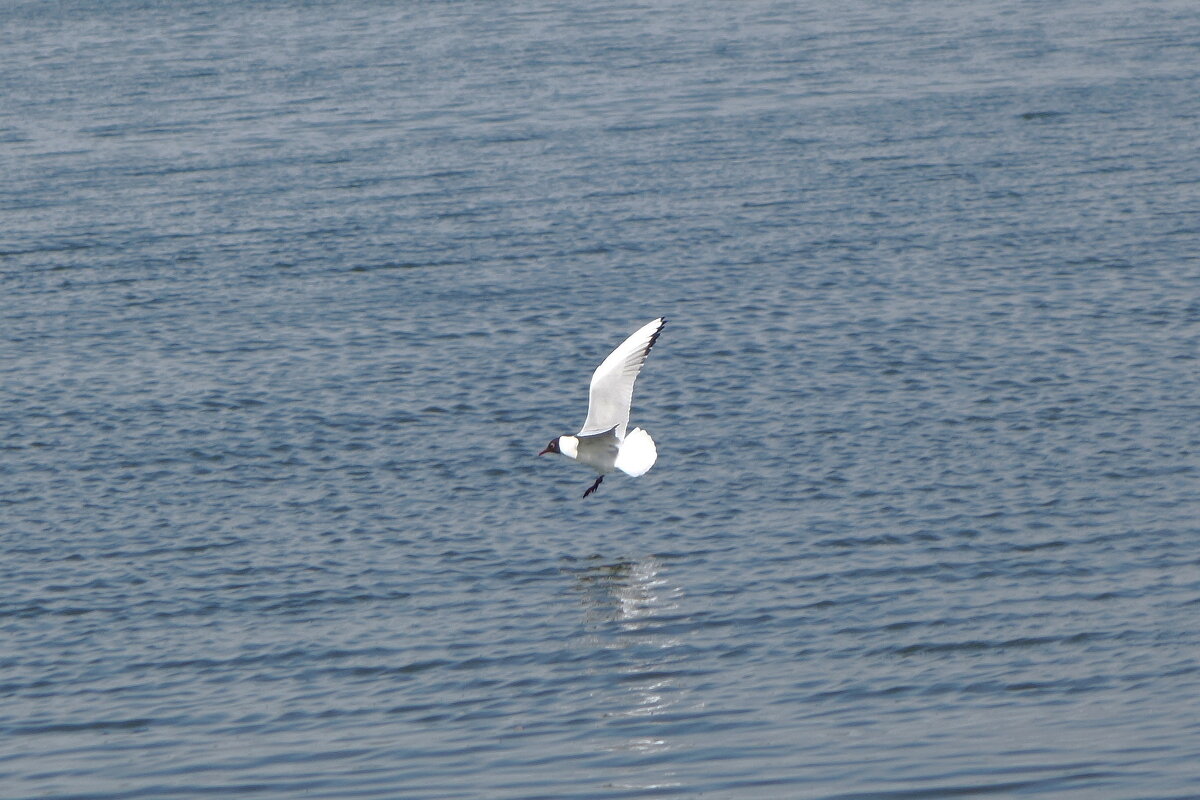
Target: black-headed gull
[(601, 443)]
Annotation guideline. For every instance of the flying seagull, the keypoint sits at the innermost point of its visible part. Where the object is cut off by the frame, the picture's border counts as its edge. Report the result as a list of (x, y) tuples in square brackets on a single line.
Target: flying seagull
[(602, 443)]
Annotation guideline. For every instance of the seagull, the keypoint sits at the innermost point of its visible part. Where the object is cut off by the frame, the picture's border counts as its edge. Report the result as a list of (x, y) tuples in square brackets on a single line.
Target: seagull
[(602, 443)]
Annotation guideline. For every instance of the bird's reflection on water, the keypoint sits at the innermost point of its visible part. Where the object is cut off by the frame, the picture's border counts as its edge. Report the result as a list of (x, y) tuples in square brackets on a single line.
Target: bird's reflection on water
[(628, 607), (631, 593)]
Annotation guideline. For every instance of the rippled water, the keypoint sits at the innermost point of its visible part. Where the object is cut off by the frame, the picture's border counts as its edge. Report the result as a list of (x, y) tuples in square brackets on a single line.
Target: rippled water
[(292, 293)]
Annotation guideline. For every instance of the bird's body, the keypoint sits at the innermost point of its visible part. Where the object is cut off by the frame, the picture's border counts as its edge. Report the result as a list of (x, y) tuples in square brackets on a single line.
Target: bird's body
[(602, 443)]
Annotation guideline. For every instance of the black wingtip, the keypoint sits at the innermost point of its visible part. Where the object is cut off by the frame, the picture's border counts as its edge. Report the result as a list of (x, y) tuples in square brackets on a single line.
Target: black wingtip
[(662, 323)]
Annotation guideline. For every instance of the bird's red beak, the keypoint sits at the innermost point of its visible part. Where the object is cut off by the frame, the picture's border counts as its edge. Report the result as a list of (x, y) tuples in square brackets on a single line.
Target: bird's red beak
[(547, 450)]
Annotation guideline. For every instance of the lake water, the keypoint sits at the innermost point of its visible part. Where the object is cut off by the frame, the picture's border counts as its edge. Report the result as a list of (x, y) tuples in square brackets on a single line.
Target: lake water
[(291, 294)]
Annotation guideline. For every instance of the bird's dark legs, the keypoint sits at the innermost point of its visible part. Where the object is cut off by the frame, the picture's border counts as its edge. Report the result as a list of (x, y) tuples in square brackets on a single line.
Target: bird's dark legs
[(594, 486)]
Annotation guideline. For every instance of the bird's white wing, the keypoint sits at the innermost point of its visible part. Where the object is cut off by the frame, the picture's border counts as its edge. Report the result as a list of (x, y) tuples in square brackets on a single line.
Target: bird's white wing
[(612, 382)]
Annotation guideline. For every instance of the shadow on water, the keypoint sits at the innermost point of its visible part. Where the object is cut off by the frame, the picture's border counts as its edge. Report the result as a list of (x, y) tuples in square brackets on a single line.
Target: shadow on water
[(628, 607)]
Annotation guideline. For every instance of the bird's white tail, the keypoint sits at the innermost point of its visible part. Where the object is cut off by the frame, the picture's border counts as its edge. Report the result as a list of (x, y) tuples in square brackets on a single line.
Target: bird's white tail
[(637, 453)]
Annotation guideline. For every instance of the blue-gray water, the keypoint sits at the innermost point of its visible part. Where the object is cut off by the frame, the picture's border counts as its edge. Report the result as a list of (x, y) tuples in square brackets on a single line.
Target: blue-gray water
[(293, 292)]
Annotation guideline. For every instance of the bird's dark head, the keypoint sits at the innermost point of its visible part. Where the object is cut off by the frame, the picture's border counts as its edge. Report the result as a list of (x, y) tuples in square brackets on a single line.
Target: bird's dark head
[(552, 447)]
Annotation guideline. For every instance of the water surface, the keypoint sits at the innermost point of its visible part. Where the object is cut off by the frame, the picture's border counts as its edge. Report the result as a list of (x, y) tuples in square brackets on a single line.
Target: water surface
[(292, 293)]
